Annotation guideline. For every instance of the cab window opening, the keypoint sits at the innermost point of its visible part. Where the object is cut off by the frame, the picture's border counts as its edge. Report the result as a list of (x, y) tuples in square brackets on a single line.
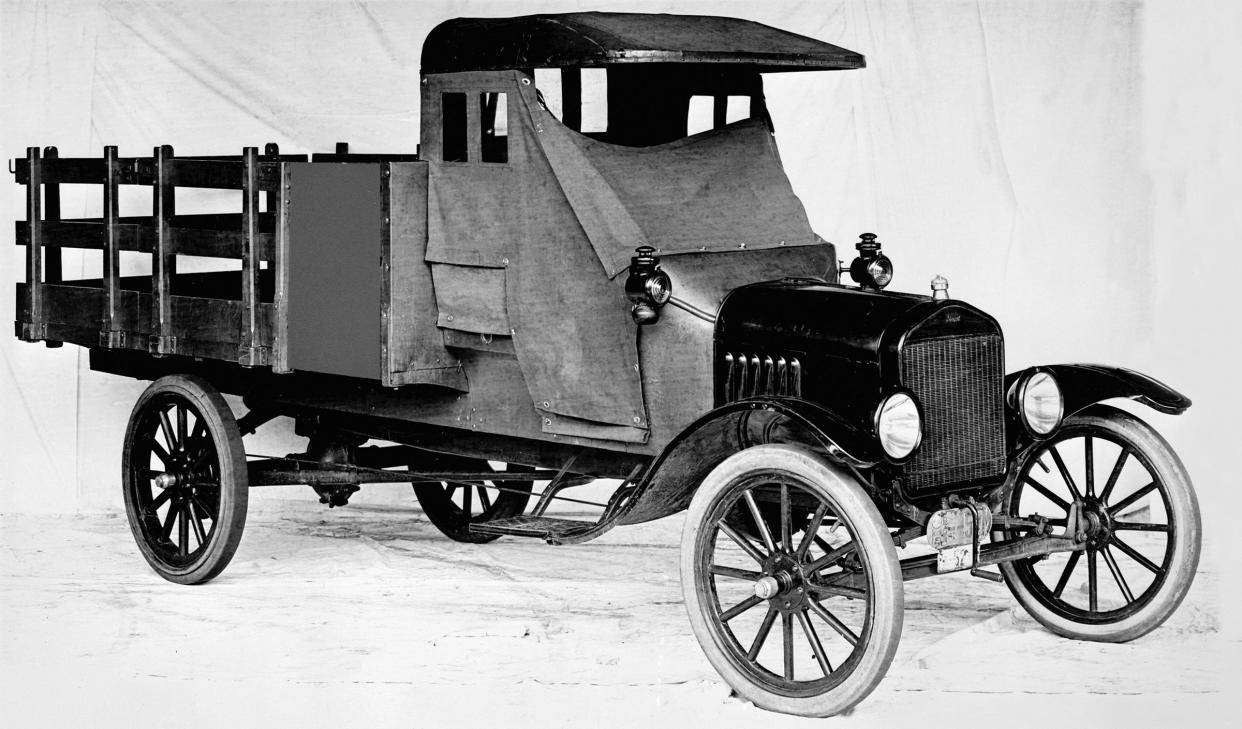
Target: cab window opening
[(649, 104), (494, 126), (453, 142)]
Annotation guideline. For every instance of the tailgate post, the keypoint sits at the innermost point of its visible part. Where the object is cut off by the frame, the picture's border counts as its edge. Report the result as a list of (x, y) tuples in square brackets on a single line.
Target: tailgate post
[(112, 335), (250, 352), (164, 259), (33, 328)]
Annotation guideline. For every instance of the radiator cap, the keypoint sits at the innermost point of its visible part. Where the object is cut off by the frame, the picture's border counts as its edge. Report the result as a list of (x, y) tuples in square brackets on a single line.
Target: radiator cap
[(940, 288)]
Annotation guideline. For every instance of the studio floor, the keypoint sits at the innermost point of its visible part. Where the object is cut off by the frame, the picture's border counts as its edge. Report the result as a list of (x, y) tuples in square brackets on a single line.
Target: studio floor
[(367, 616)]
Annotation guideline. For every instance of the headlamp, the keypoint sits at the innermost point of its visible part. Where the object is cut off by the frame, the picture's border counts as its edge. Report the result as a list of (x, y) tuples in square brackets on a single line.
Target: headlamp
[(899, 425), (647, 287), (872, 269), (1040, 403)]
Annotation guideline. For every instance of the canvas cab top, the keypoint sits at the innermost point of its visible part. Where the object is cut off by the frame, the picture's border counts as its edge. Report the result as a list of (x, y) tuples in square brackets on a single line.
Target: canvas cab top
[(590, 40)]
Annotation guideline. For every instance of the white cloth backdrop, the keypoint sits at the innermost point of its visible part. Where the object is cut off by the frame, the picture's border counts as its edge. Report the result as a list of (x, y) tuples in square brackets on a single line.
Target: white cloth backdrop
[(1066, 165)]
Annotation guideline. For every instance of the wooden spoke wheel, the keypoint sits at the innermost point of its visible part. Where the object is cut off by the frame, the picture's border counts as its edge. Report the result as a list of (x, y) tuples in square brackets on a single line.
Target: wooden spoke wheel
[(185, 479), (453, 507), (1142, 531), (803, 618)]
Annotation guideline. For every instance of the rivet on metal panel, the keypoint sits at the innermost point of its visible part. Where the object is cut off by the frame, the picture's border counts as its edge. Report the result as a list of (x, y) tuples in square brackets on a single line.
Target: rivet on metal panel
[(638, 420), (449, 317), (526, 82), (741, 245), (547, 404), (782, 243), (504, 261), (636, 367), (513, 332), (547, 421), (387, 221)]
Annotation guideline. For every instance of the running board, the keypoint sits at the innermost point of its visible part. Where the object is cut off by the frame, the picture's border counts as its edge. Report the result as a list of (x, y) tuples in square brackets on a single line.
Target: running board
[(551, 530)]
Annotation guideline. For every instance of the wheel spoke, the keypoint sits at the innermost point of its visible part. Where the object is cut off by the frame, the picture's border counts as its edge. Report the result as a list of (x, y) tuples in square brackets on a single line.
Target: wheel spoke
[(742, 542), (467, 500), (158, 501), (833, 621), (1112, 476), (811, 530), (149, 474), (170, 439), (183, 531), (1065, 474), (200, 430), (1135, 555), (831, 558), (1066, 573), (1047, 492), (182, 412), (1089, 455), (787, 636), (169, 520), (762, 635), (483, 498), (197, 525), (1093, 601), (1139, 527), (209, 513), (786, 527), (1121, 581), (813, 639), (833, 590), (159, 452), (764, 532), (735, 573), (1120, 505), (740, 608)]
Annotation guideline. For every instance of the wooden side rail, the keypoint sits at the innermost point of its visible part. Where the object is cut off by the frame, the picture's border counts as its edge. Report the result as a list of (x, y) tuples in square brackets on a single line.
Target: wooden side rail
[(149, 321)]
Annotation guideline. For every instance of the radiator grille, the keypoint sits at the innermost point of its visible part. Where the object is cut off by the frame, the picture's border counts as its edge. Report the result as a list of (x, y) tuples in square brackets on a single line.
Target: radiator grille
[(750, 375), (959, 383)]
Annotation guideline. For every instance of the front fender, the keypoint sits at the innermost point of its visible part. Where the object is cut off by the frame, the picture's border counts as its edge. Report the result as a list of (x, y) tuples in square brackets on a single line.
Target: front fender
[(1084, 385), (669, 484)]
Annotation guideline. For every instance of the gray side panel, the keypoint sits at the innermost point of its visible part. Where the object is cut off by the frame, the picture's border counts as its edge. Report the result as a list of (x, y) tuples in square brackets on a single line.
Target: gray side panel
[(416, 353), (334, 269)]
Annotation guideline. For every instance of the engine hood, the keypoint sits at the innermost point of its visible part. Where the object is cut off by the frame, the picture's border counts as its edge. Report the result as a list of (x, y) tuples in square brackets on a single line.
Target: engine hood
[(847, 342), (844, 321)]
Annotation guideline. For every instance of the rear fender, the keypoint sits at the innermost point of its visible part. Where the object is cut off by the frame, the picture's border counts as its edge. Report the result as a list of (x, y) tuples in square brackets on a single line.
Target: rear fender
[(683, 464)]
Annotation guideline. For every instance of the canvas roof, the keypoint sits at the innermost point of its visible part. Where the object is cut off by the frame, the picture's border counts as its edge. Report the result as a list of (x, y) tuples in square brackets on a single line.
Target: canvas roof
[(599, 39)]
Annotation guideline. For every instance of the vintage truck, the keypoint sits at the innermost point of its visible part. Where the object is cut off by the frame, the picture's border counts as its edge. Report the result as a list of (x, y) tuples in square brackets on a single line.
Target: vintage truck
[(594, 267)]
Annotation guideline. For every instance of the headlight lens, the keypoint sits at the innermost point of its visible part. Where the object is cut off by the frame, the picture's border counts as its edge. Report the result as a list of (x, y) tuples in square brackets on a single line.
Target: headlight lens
[(899, 425), (659, 287), (1041, 403), (881, 271)]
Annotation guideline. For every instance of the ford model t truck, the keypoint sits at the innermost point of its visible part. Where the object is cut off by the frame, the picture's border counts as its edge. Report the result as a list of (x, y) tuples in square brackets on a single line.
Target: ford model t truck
[(567, 280)]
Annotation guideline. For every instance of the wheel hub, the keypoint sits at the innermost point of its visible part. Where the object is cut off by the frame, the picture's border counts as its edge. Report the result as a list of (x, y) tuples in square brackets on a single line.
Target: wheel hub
[(783, 583), (1098, 523)]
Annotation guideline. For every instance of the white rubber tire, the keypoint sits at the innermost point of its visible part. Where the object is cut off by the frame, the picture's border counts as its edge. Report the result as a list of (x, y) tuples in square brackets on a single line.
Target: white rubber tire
[(852, 505)]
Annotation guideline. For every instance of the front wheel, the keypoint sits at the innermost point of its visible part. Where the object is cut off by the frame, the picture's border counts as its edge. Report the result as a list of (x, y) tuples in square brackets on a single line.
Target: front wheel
[(800, 611), (1142, 530)]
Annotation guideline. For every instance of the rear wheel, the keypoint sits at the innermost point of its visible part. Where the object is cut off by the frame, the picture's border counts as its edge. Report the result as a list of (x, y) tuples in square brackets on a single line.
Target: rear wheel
[(185, 480), (453, 507), (1142, 535), (804, 617)]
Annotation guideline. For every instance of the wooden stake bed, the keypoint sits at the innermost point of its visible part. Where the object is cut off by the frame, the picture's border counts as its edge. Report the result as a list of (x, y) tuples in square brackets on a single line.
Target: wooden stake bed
[(237, 317)]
